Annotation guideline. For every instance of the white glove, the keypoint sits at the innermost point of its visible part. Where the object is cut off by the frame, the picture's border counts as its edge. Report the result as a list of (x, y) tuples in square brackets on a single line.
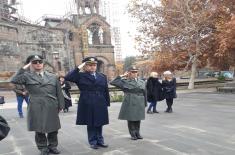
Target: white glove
[(82, 65), (27, 66), (124, 75)]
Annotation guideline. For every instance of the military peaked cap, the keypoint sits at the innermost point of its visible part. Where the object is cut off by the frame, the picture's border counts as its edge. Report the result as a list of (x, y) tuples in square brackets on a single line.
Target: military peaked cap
[(90, 60), (33, 57), (133, 69)]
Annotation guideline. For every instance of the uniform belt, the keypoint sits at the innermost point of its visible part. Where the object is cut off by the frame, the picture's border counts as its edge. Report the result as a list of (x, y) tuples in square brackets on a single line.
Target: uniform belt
[(44, 95), (92, 91), (139, 94)]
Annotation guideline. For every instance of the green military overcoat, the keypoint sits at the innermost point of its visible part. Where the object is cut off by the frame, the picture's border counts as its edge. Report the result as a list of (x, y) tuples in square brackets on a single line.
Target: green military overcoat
[(134, 102), (45, 100)]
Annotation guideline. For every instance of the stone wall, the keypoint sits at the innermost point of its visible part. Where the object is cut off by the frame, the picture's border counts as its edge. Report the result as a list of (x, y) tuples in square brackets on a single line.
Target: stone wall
[(43, 41), (61, 46)]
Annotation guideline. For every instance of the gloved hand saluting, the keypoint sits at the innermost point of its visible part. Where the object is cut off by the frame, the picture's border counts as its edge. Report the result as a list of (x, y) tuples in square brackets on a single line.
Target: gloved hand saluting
[(81, 66), (124, 75), (27, 66)]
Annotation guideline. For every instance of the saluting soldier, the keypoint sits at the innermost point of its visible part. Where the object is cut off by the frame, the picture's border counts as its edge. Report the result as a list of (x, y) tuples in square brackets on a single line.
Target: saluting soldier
[(94, 100), (46, 100), (134, 102)]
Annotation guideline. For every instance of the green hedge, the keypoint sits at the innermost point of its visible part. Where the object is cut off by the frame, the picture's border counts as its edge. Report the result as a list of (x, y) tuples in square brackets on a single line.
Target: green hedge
[(116, 98), (221, 78)]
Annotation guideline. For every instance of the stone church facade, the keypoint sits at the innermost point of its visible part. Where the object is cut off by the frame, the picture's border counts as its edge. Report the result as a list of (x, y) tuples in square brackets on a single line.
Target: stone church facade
[(62, 42)]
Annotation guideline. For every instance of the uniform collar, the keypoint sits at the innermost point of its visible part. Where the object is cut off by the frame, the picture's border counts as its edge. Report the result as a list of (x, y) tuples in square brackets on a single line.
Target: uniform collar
[(40, 73)]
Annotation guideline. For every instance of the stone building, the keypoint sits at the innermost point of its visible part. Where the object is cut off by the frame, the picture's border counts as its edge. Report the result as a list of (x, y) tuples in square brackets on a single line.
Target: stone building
[(63, 42), (19, 40), (9, 51), (95, 40)]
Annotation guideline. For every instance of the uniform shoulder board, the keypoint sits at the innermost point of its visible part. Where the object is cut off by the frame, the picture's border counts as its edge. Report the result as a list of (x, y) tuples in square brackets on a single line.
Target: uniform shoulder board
[(50, 73)]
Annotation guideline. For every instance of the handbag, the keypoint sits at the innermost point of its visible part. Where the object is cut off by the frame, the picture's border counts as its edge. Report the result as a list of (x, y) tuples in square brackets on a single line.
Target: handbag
[(2, 100), (4, 128), (161, 96)]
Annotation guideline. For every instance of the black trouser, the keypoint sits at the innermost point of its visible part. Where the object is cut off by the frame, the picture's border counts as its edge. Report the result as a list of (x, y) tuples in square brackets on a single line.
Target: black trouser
[(169, 103), (41, 140), (95, 135), (134, 128)]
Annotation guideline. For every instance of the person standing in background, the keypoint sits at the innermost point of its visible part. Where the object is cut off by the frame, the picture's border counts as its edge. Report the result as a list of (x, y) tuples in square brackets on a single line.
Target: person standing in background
[(154, 92), (21, 95), (65, 90), (169, 89)]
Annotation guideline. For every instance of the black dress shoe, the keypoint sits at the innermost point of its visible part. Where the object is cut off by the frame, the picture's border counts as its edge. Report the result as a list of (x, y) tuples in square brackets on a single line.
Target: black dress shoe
[(133, 138), (44, 152), (155, 111), (94, 146), (54, 150), (103, 145), (149, 112), (139, 136)]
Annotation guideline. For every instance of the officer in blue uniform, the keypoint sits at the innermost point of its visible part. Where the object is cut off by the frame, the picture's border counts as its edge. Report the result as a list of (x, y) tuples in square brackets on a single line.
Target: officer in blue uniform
[(94, 100)]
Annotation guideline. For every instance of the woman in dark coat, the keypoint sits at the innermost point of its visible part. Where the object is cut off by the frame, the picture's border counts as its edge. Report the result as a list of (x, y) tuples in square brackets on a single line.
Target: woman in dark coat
[(65, 90), (169, 89), (154, 92)]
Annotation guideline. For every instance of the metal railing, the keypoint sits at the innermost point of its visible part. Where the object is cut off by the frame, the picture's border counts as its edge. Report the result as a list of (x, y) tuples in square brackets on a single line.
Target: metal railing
[(180, 85)]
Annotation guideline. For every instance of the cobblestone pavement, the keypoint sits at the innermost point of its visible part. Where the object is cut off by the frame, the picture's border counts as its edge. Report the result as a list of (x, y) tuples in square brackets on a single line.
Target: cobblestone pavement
[(202, 124)]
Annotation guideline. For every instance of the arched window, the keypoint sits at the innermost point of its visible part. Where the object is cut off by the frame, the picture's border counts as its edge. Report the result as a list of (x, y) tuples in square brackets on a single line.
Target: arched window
[(89, 33), (95, 34), (44, 54), (101, 36), (59, 66), (100, 66)]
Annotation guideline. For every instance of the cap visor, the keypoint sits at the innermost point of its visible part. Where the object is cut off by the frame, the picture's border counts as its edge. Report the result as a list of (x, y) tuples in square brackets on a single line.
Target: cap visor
[(91, 62), (35, 59)]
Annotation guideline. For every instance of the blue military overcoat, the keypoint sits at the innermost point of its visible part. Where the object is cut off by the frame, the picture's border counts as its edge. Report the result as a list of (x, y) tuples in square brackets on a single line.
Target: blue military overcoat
[(94, 97)]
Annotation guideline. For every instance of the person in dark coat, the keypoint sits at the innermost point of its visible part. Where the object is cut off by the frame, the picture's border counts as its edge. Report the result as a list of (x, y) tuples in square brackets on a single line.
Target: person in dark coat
[(134, 102), (45, 102), (21, 95), (4, 128), (169, 89), (93, 101), (154, 92), (65, 90)]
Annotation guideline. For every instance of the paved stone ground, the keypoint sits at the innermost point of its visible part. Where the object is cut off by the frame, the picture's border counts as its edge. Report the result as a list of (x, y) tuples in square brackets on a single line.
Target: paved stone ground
[(202, 124)]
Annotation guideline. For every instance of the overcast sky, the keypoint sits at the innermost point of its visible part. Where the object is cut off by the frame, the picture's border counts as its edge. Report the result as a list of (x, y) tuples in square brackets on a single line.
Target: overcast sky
[(34, 9)]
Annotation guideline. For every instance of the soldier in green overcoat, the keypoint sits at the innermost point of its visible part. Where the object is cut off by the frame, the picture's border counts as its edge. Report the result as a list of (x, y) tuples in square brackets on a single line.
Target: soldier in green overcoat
[(134, 102), (45, 102)]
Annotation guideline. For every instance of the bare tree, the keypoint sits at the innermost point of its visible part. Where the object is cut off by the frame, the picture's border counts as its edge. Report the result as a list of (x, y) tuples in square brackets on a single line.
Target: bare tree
[(178, 26)]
